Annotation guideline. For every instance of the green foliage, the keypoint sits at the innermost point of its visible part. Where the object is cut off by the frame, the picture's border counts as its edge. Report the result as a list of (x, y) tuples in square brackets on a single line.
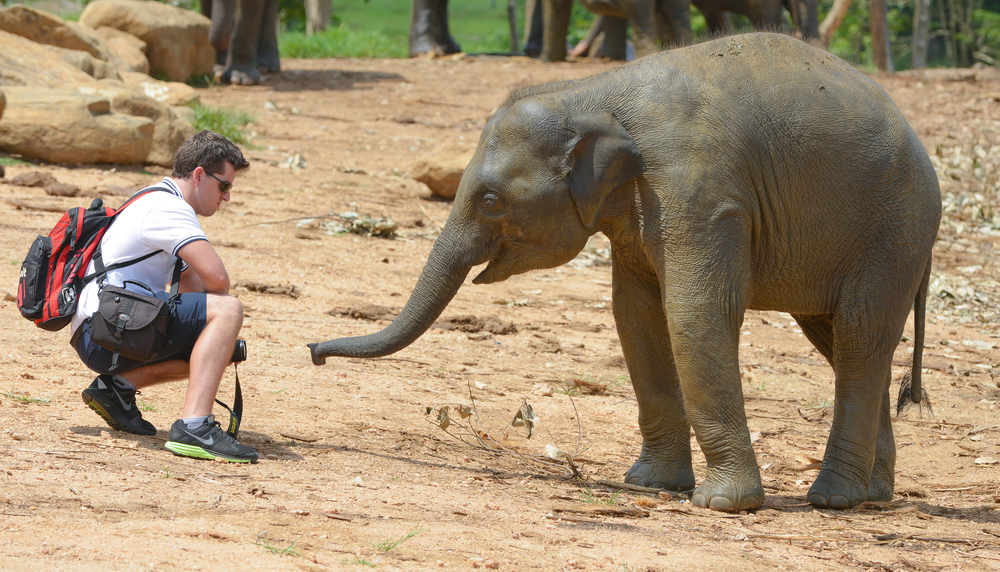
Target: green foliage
[(359, 562), (343, 41), (228, 122), (590, 498)]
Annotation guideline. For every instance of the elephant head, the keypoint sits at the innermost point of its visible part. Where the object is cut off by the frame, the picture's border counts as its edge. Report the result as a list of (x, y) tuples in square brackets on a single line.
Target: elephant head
[(529, 199)]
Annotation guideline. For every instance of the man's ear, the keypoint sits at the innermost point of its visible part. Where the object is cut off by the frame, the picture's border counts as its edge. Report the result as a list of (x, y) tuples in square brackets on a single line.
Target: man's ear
[(602, 157)]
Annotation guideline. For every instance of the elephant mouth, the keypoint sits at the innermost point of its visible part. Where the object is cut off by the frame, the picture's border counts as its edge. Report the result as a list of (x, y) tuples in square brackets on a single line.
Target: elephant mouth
[(488, 275)]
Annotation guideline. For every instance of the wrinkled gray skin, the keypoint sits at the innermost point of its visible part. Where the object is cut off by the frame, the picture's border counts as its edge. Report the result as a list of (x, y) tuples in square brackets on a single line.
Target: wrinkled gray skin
[(657, 23), (245, 36), (749, 172)]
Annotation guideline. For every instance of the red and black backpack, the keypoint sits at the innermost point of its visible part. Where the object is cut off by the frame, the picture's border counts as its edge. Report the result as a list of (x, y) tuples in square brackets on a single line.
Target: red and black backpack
[(55, 270)]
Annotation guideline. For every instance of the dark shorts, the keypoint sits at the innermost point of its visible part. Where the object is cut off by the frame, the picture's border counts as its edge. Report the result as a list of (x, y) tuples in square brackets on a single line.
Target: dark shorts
[(186, 324)]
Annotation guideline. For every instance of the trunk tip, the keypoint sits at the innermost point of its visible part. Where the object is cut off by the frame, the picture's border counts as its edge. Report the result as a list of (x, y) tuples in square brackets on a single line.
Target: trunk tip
[(316, 359)]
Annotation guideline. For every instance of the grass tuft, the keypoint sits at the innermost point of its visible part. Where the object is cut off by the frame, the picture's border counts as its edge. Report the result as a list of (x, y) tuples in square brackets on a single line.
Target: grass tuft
[(387, 545), (227, 122)]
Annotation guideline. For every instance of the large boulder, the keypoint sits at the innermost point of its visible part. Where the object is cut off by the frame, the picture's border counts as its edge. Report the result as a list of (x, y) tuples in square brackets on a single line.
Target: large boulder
[(128, 53), (176, 39), (172, 93), (45, 28), (65, 126), (442, 170), (169, 128), (23, 62), (94, 67)]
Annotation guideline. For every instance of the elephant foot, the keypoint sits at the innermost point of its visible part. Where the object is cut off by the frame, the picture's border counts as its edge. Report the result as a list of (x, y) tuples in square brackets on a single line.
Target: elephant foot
[(268, 66), (238, 77), (729, 495), (831, 490), (317, 360), (648, 473)]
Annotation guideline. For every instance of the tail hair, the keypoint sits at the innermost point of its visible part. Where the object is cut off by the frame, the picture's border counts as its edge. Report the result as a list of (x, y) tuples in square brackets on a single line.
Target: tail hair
[(905, 400)]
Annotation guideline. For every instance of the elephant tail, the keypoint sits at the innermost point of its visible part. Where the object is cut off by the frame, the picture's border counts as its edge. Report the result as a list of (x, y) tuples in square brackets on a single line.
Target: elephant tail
[(910, 388)]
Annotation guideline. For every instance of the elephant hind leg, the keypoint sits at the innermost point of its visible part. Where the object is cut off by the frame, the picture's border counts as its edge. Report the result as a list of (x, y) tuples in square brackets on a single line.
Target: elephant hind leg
[(819, 331), (860, 454)]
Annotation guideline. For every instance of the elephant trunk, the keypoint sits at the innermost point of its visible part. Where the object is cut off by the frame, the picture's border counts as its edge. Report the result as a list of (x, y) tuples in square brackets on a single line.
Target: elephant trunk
[(440, 280)]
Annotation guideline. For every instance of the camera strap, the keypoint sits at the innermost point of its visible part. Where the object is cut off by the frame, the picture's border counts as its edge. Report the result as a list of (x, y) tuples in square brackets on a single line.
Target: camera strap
[(236, 413)]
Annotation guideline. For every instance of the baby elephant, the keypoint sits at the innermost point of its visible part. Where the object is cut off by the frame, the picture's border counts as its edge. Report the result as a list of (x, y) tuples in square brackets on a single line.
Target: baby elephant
[(752, 171)]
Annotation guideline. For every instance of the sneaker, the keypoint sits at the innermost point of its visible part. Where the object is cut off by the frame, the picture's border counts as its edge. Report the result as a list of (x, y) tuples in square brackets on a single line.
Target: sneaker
[(117, 406), (208, 442)]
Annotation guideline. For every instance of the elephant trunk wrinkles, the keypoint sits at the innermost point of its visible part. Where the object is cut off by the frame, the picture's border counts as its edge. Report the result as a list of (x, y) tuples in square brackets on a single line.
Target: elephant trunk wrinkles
[(440, 280)]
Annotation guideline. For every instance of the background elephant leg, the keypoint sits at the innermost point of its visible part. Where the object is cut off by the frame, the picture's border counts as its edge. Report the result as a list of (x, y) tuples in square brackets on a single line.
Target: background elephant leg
[(719, 23), (805, 18), (613, 42), (645, 34), (665, 460), (677, 15), (429, 33), (864, 337), (555, 19), (241, 65), (267, 44), (533, 27), (220, 32)]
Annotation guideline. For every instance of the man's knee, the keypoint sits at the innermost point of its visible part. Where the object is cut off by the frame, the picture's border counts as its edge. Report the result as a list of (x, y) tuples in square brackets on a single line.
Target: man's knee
[(226, 307)]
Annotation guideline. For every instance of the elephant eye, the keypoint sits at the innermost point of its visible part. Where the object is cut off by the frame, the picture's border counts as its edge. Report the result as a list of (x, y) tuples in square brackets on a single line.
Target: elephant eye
[(491, 203)]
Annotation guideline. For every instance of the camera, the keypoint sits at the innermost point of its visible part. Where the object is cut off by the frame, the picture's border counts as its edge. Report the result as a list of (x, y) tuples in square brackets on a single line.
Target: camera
[(239, 352)]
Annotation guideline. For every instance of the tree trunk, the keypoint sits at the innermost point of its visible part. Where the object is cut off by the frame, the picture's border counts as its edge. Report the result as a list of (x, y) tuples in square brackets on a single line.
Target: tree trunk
[(881, 53), (832, 21), (318, 14), (921, 33)]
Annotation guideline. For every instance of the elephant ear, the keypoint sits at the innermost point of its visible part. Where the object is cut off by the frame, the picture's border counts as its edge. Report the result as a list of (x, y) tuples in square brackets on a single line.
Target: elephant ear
[(602, 157)]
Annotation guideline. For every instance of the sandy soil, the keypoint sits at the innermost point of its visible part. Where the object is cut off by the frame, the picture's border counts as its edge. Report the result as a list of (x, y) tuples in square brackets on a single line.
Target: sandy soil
[(354, 473)]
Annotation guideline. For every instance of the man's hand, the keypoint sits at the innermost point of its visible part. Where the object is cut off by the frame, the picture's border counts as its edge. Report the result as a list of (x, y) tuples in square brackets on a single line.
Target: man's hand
[(205, 271)]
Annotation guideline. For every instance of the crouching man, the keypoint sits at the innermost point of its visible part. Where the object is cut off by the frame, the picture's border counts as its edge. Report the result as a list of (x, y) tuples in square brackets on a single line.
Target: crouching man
[(205, 320)]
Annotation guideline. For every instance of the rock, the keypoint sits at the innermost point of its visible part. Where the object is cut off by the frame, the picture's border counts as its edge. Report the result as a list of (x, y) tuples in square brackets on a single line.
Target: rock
[(95, 68), (23, 62), (176, 39), (170, 130), (442, 170), (45, 28), (34, 179), (128, 53), (172, 93), (65, 126)]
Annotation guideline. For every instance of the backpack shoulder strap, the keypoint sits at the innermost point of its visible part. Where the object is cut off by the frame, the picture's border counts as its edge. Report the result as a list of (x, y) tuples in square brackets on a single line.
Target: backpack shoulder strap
[(99, 268)]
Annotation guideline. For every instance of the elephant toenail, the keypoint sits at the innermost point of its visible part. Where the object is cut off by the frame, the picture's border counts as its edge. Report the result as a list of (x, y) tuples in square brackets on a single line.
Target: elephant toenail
[(723, 504)]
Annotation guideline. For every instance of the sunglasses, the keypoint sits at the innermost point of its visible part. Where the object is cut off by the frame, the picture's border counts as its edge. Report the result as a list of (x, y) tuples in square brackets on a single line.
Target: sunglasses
[(224, 186)]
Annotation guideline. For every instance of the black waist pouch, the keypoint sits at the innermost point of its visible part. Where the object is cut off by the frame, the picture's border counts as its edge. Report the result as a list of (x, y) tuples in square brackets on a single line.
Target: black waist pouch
[(130, 324)]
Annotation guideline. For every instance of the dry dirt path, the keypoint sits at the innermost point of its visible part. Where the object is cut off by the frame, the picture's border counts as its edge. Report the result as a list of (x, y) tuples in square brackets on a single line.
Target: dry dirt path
[(354, 472)]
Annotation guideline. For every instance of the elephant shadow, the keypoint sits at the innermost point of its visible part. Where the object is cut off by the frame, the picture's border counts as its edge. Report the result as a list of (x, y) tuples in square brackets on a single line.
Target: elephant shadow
[(327, 80)]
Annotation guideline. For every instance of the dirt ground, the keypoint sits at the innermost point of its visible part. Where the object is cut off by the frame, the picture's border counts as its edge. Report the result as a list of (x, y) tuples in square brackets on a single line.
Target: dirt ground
[(354, 473)]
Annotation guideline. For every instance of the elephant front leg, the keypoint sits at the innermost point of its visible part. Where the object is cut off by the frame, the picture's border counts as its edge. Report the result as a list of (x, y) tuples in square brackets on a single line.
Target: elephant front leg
[(665, 460)]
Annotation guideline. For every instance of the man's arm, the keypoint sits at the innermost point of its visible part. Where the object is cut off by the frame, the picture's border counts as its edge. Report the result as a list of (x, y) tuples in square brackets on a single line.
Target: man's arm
[(205, 271)]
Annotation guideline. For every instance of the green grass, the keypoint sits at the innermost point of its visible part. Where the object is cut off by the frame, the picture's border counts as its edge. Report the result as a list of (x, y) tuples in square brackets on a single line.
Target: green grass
[(23, 397), (290, 550), (11, 161), (147, 406), (230, 123), (387, 545), (359, 562)]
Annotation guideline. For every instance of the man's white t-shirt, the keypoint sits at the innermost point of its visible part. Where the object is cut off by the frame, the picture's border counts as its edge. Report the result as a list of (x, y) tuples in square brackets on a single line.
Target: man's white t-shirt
[(159, 221)]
